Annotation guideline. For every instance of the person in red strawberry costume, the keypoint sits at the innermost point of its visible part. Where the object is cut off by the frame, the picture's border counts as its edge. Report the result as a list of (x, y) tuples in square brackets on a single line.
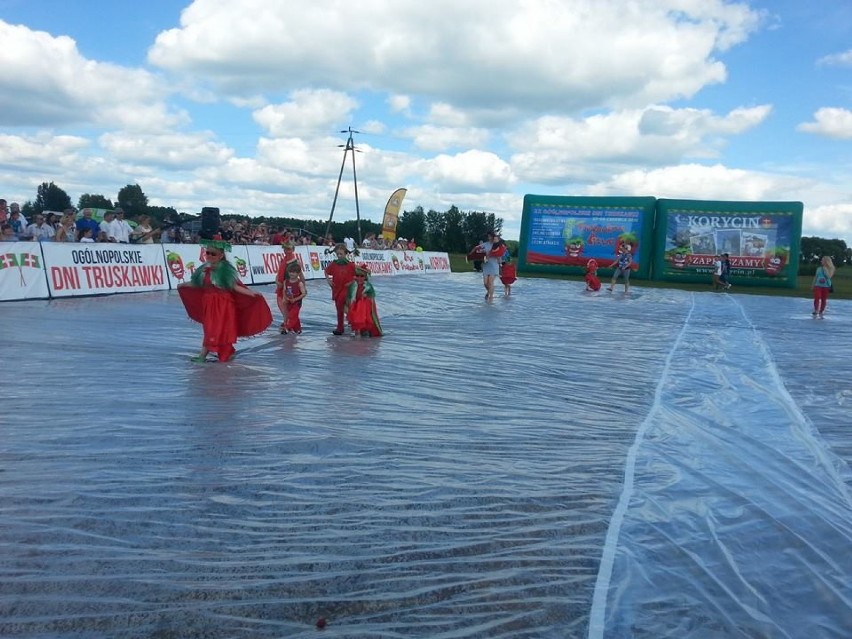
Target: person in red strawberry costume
[(339, 274)]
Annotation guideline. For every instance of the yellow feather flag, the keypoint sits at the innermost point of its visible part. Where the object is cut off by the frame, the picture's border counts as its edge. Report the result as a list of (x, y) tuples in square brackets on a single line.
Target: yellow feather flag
[(392, 214)]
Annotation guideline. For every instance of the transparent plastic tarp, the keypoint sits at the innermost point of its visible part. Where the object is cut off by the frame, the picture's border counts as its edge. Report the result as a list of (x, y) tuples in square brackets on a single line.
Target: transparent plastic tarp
[(555, 464)]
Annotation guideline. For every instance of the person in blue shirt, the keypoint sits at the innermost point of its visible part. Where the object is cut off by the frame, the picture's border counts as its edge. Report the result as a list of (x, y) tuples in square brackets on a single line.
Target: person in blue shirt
[(622, 268), (86, 222)]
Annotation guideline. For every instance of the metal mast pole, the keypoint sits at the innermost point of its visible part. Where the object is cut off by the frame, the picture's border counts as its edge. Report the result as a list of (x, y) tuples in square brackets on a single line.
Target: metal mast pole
[(349, 146)]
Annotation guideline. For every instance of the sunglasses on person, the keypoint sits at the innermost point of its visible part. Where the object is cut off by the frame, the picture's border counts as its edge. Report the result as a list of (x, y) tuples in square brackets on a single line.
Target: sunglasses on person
[(209, 252)]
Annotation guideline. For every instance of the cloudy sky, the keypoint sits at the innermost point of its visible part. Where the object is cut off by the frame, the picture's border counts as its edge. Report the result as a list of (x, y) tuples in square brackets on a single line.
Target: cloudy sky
[(474, 102)]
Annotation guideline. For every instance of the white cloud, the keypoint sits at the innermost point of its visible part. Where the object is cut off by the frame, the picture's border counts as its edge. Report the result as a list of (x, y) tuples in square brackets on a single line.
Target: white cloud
[(471, 171), (525, 54), (434, 138), (309, 111), (400, 104), (695, 181), (830, 221), (168, 151), (830, 122), (553, 148), (843, 59), (46, 81)]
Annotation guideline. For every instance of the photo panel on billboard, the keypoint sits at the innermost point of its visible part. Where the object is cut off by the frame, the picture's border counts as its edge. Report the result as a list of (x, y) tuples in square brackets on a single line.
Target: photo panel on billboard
[(761, 239), (560, 234)]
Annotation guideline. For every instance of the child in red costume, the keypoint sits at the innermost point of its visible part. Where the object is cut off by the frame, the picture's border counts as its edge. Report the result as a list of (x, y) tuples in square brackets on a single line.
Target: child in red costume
[(226, 309), (281, 277), (508, 274), (593, 283), (339, 274), (361, 305), (294, 293)]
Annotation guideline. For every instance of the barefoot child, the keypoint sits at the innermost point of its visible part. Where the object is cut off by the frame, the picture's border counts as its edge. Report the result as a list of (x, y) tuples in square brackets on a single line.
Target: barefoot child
[(361, 305), (339, 274), (226, 309), (621, 268), (281, 277), (294, 293), (508, 274)]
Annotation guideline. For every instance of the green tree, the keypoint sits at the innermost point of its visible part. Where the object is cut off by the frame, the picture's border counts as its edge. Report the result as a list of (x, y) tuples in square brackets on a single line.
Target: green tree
[(132, 200), (813, 248), (94, 201), (51, 198), (476, 226), (412, 225), (454, 241), (160, 213), (436, 229)]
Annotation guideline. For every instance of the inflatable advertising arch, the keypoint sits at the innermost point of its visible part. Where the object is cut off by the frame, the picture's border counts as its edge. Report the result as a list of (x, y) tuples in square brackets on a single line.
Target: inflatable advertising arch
[(560, 234), (761, 239)]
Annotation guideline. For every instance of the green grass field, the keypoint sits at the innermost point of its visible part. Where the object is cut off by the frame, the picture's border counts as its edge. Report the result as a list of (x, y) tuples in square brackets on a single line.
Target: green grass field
[(842, 282)]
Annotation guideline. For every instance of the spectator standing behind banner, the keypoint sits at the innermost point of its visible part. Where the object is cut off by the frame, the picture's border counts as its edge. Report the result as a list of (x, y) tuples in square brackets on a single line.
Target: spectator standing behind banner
[(121, 229), (105, 228), (4, 212), (822, 285), (86, 222), (19, 223), (7, 234), (66, 231), (143, 233), (40, 231)]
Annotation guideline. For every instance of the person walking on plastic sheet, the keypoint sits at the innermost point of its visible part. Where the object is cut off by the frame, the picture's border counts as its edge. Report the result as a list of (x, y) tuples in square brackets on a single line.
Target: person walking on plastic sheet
[(294, 293), (593, 282), (716, 275), (361, 308), (622, 268), (725, 275), (822, 285), (339, 274), (493, 250), (281, 278), (225, 308), (508, 273)]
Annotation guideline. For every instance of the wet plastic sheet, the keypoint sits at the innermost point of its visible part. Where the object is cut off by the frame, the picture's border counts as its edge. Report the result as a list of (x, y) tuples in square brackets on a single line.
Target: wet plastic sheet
[(462, 476)]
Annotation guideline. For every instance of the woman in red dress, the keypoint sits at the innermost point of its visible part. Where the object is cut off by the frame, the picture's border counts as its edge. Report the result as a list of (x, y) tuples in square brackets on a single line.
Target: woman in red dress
[(226, 309)]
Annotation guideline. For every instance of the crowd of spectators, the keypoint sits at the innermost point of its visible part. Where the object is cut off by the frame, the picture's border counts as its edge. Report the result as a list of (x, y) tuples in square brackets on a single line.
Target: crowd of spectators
[(73, 226)]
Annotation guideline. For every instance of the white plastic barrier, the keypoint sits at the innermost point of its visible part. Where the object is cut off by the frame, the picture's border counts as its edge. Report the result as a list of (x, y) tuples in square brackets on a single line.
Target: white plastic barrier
[(183, 259), (33, 270), (22, 271)]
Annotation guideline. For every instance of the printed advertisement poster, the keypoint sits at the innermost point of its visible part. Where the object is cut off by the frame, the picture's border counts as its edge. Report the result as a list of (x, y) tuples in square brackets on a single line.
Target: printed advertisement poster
[(569, 231), (22, 275), (95, 269), (761, 240), (183, 259)]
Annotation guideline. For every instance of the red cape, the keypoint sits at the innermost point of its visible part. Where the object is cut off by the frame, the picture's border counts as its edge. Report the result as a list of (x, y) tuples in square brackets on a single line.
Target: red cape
[(253, 314)]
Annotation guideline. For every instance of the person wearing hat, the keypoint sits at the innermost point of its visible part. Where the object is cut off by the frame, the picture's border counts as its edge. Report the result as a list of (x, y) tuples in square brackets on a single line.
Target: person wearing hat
[(281, 277), (222, 304), (361, 305)]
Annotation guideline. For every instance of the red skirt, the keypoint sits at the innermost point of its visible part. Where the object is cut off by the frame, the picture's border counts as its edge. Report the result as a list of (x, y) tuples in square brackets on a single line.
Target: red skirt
[(225, 315), (363, 316)]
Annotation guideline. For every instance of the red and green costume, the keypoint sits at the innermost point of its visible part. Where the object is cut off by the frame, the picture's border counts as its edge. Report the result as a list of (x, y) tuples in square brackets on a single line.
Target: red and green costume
[(224, 314), (362, 313), (341, 272)]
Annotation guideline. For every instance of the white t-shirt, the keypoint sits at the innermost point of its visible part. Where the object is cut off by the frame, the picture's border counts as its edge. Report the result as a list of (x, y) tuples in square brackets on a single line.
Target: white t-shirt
[(350, 243), (121, 230)]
